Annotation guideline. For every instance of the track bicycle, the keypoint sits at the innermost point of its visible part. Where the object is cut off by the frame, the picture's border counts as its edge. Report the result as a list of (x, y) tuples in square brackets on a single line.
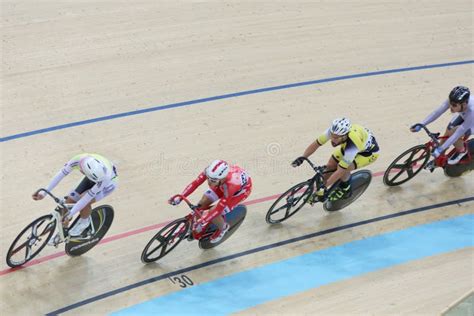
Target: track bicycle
[(189, 227), (408, 164), (293, 200), (34, 237)]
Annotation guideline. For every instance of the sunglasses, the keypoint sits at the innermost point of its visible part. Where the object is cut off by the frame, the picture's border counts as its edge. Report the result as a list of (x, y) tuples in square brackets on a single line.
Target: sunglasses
[(213, 180), (454, 104)]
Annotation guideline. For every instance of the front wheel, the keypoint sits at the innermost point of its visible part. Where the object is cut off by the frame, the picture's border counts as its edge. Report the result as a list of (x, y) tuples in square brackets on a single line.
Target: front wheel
[(407, 165), (289, 202), (32, 239), (165, 240)]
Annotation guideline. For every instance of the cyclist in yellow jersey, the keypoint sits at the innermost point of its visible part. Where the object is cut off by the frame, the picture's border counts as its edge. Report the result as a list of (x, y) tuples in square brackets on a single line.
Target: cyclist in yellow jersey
[(356, 148)]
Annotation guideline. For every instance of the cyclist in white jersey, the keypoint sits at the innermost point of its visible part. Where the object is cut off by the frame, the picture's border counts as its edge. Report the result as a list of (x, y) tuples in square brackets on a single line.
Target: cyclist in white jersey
[(100, 180), (461, 104)]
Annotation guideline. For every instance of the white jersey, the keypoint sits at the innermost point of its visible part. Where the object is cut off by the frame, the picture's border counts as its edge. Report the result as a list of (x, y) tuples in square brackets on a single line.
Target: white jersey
[(466, 127), (75, 163)]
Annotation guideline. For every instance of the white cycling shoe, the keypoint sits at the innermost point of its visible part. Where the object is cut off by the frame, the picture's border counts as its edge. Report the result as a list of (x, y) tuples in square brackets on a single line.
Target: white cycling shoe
[(80, 226), (54, 241), (216, 238), (457, 157)]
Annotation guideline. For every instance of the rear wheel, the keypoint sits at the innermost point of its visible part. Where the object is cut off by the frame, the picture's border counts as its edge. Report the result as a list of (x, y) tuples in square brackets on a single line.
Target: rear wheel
[(32, 239), (235, 218), (407, 165), (360, 182), (101, 220), (165, 240), (289, 202), (465, 165)]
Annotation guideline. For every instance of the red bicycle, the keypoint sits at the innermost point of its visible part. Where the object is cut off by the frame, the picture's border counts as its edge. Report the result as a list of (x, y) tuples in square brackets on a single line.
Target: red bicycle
[(190, 228), (412, 161)]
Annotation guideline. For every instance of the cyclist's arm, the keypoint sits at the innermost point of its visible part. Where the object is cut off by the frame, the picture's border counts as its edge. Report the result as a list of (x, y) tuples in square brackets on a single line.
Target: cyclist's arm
[(195, 184), (88, 196), (61, 174), (350, 152), (436, 113), (336, 175), (83, 201), (223, 202), (321, 140), (460, 131)]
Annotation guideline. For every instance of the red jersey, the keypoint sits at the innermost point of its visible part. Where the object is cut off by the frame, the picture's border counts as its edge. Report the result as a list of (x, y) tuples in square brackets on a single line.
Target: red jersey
[(236, 183)]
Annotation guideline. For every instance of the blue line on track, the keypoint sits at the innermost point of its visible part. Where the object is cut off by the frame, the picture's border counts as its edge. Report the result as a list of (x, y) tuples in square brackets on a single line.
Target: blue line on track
[(227, 96), (255, 250), (305, 272)]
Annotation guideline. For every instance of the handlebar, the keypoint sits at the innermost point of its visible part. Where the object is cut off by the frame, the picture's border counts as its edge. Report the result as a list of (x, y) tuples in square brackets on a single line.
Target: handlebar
[(185, 199), (433, 136), (57, 200), (321, 169), (194, 208)]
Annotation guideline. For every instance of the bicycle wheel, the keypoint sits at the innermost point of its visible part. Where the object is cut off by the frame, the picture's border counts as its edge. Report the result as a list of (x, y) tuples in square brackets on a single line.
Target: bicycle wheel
[(360, 182), (293, 200), (165, 240), (32, 239), (464, 166), (235, 218), (407, 165), (102, 218)]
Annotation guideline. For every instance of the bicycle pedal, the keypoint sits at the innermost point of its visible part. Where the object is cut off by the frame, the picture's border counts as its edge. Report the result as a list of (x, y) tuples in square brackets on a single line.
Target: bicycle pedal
[(430, 166)]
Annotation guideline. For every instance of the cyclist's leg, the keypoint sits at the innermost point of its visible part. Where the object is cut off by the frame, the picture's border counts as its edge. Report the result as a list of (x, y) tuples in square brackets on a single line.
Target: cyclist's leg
[(364, 160), (210, 196), (106, 191), (333, 162), (345, 189), (219, 220), (82, 187), (236, 200), (231, 203), (451, 128)]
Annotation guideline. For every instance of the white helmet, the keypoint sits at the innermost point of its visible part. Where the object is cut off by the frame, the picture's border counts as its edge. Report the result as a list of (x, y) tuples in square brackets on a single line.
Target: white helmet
[(93, 169), (218, 170), (340, 126)]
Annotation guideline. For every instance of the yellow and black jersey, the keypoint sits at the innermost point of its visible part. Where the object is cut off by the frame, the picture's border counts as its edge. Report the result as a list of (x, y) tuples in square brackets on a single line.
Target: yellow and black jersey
[(360, 141)]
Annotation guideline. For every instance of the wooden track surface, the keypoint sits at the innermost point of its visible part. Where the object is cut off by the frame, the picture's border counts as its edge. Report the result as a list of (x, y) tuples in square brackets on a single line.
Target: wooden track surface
[(71, 61)]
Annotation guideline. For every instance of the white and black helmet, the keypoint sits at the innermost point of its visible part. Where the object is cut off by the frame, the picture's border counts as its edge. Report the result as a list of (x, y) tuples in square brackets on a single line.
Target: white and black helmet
[(93, 169), (459, 94), (340, 126)]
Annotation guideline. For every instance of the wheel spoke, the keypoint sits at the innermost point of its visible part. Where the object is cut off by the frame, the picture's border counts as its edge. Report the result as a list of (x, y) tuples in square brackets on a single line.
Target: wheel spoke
[(274, 211), (412, 154), (288, 203), (400, 167), (163, 250), (154, 250), (27, 252), (397, 175), (20, 247)]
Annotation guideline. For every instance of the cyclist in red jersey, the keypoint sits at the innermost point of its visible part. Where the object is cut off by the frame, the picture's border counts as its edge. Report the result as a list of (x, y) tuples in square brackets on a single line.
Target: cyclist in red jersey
[(229, 184)]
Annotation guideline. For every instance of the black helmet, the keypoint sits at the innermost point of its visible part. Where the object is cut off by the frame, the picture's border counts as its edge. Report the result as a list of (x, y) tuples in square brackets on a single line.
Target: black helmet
[(459, 94)]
